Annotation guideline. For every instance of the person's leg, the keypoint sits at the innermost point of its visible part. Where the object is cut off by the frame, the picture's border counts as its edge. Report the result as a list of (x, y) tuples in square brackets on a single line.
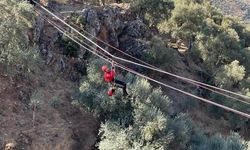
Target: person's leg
[(124, 90), (122, 85), (113, 90)]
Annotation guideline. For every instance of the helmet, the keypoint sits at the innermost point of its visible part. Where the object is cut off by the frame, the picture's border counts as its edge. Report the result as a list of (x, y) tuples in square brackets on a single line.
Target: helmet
[(104, 68), (110, 93)]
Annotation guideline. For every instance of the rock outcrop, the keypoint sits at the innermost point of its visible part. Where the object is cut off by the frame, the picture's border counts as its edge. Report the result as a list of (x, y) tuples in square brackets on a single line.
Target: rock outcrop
[(107, 25)]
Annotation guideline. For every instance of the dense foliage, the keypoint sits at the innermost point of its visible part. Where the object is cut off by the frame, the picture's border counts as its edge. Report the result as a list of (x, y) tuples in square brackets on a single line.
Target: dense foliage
[(218, 44), (152, 11), (159, 54), (142, 121), (16, 18), (70, 48)]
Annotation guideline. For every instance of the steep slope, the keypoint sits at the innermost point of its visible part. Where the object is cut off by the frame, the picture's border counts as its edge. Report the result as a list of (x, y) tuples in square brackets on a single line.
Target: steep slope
[(239, 8), (58, 125)]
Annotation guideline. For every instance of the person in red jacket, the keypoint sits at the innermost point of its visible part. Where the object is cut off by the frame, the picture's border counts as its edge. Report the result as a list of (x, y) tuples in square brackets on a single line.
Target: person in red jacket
[(109, 76)]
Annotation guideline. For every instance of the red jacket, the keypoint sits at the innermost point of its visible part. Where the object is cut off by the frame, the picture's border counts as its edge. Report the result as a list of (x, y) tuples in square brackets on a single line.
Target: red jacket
[(109, 75)]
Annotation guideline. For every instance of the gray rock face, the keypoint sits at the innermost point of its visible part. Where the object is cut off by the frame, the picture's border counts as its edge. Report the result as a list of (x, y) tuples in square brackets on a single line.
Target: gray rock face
[(132, 46), (131, 39), (110, 17), (127, 36), (92, 21)]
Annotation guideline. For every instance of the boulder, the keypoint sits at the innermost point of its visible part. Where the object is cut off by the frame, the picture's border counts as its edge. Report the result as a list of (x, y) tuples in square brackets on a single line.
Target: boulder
[(91, 19), (131, 39), (132, 46), (10, 146), (110, 18)]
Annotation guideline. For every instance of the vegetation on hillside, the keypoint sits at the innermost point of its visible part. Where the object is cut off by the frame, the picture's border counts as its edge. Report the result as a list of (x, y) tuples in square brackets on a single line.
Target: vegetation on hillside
[(240, 7), (217, 44), (220, 44), (16, 19), (142, 121)]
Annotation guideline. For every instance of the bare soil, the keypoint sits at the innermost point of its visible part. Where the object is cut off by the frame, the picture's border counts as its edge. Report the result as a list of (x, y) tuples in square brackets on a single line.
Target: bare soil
[(58, 124)]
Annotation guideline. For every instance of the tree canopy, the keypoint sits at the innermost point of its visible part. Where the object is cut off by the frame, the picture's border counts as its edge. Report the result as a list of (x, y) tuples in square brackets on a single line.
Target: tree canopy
[(142, 121), (16, 18)]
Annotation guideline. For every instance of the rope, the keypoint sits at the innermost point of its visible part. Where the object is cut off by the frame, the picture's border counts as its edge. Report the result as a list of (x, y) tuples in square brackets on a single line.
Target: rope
[(151, 79), (199, 85), (64, 32), (186, 93), (148, 67), (228, 96)]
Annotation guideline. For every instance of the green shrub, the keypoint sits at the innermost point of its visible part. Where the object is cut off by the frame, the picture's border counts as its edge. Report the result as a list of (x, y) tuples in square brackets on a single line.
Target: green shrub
[(150, 10), (140, 121), (17, 18), (159, 54), (70, 48), (230, 74)]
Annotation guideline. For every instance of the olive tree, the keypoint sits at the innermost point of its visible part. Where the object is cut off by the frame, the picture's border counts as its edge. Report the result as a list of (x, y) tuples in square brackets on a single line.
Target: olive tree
[(16, 18)]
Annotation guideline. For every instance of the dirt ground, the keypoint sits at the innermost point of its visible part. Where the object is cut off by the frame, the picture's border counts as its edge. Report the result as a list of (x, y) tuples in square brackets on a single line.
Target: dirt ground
[(58, 124)]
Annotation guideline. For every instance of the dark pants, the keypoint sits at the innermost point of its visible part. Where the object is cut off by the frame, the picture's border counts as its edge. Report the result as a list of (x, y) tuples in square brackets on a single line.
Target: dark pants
[(121, 84)]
